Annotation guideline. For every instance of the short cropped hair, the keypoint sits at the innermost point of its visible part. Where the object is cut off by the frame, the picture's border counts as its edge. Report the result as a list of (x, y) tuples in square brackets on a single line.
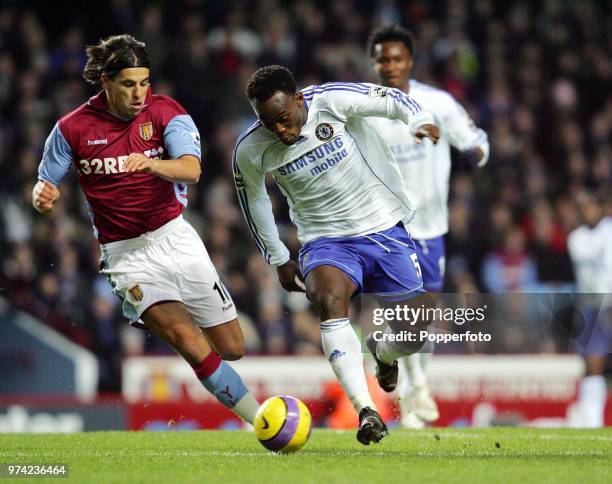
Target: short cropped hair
[(267, 81), (391, 33), (114, 54)]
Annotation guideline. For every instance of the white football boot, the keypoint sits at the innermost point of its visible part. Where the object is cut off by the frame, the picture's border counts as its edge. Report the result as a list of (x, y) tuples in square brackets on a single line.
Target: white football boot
[(420, 402), (410, 421)]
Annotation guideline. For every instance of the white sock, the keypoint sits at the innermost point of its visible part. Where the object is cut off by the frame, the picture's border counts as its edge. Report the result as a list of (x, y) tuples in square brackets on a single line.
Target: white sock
[(425, 354), (414, 369), (414, 366), (343, 351), (389, 351), (592, 397), (246, 408)]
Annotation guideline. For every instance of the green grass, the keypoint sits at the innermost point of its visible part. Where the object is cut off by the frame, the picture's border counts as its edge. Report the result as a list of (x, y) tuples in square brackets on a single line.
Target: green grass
[(429, 456)]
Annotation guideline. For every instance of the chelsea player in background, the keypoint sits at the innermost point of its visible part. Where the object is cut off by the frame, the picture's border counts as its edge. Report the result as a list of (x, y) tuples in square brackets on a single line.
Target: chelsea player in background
[(425, 170)]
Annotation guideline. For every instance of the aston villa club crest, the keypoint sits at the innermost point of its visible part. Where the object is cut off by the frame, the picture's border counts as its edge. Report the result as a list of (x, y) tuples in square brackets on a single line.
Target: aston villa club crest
[(324, 131), (136, 292), (146, 130)]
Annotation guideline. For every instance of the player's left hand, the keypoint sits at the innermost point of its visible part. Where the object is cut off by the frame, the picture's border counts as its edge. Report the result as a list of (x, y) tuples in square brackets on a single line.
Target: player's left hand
[(430, 131), (137, 162), (470, 159)]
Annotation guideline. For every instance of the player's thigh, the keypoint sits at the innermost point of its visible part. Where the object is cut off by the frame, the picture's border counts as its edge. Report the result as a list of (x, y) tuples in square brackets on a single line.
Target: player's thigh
[(393, 268), (171, 321), (206, 298), (140, 278), (330, 289), (333, 274), (227, 339)]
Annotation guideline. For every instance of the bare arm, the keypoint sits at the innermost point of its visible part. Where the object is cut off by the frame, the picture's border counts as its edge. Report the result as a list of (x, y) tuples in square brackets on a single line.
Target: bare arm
[(185, 169)]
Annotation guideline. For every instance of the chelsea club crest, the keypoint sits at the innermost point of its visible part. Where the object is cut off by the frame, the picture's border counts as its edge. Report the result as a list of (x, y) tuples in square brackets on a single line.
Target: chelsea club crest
[(324, 131)]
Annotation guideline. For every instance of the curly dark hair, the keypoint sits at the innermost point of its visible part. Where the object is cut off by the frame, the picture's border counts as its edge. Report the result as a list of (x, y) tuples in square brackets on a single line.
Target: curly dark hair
[(268, 80), (112, 55), (391, 33)]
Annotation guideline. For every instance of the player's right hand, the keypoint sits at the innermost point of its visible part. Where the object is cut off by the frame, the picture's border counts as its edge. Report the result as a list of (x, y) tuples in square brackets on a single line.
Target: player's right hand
[(44, 196), (430, 131), (290, 277)]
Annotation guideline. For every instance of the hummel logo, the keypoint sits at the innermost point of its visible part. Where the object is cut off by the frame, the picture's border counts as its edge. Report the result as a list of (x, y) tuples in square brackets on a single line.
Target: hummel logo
[(336, 354), (91, 142)]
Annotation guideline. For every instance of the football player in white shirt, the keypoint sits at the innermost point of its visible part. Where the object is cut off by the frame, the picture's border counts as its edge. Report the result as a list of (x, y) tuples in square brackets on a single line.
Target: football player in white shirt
[(425, 170), (590, 248), (346, 198)]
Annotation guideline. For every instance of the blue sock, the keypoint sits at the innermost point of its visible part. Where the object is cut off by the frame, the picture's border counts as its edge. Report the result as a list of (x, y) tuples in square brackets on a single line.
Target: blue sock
[(220, 379)]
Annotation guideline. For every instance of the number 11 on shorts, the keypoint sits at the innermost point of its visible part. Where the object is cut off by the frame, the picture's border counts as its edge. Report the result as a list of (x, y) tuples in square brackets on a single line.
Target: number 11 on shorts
[(223, 294)]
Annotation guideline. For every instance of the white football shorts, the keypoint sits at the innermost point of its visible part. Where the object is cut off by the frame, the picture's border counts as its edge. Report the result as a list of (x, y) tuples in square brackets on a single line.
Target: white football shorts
[(168, 264)]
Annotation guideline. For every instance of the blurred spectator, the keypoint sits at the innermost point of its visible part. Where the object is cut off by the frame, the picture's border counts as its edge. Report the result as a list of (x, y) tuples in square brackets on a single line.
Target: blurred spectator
[(510, 269)]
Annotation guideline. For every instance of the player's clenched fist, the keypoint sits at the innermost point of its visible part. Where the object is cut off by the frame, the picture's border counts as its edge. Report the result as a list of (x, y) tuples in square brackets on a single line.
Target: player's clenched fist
[(430, 131), (44, 196), (139, 162)]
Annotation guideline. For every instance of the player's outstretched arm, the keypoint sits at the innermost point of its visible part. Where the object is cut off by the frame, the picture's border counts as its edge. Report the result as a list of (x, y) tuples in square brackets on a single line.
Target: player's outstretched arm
[(365, 100), (185, 169), (44, 196)]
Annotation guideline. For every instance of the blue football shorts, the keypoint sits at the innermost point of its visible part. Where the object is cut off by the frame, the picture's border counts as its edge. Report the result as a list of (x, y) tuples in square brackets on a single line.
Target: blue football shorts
[(595, 338), (431, 254), (381, 263)]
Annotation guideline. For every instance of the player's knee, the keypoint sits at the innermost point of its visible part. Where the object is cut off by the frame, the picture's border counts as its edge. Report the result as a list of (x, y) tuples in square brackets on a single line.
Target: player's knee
[(329, 303), (233, 352)]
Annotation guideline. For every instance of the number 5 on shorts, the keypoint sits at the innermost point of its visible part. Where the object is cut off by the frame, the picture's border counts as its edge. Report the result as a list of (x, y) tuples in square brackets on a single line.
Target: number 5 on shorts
[(417, 266)]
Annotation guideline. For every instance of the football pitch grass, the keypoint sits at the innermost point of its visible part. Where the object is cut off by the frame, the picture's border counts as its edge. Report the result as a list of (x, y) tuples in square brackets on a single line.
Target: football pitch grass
[(498, 455)]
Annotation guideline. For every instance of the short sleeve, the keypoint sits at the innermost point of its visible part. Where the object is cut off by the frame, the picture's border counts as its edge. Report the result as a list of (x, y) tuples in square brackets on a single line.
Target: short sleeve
[(181, 137)]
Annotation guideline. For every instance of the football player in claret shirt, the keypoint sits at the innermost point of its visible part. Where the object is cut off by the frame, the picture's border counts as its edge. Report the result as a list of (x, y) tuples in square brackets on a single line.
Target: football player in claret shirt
[(135, 154)]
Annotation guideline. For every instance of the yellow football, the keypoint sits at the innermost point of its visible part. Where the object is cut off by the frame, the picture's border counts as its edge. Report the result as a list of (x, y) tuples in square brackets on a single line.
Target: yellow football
[(283, 424)]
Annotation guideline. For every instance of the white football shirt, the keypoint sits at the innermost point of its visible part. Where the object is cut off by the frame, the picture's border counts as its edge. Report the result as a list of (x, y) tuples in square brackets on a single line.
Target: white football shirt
[(591, 252), (426, 167), (340, 178)]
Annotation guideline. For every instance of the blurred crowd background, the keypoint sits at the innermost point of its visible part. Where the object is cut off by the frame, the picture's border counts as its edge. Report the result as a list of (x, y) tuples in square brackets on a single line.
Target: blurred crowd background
[(535, 75)]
